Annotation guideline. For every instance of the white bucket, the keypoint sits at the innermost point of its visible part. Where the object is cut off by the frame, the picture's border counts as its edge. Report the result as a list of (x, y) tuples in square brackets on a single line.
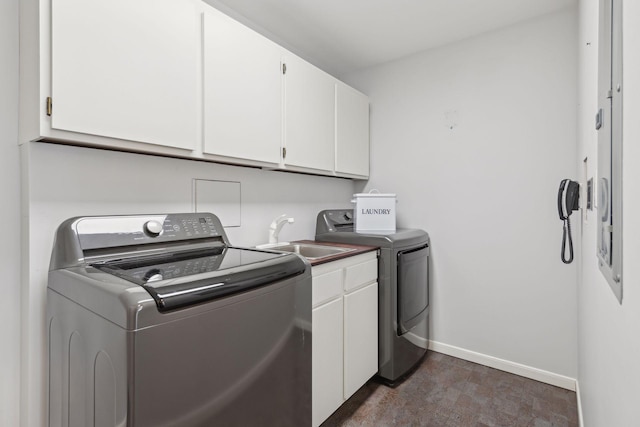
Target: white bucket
[(374, 211)]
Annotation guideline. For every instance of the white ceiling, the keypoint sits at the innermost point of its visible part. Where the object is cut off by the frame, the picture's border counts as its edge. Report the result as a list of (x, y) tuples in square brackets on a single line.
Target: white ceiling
[(346, 35)]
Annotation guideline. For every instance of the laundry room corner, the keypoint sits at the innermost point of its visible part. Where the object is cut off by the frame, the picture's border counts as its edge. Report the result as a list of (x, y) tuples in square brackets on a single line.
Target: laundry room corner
[(467, 138)]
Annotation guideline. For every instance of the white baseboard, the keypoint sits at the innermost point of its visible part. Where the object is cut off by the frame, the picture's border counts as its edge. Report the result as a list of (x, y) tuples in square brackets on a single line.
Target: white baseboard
[(505, 365), (580, 421)]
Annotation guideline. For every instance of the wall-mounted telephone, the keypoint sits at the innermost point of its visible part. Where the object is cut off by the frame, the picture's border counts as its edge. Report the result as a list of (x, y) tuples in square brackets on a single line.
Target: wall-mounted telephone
[(568, 201)]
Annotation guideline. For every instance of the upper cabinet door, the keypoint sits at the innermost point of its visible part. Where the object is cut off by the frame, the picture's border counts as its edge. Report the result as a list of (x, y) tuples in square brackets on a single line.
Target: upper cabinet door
[(242, 91), (352, 131), (126, 69), (309, 116)]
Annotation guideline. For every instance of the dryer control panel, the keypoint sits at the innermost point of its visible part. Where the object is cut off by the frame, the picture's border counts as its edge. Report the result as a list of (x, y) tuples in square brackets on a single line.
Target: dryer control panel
[(334, 220)]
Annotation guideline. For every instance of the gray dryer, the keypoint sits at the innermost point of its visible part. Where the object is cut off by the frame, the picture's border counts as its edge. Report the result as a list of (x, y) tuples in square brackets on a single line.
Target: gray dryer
[(403, 283)]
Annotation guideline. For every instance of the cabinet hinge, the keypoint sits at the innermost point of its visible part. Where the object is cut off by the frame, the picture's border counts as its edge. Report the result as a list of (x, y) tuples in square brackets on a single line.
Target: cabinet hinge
[(49, 106), (284, 68), (284, 153)]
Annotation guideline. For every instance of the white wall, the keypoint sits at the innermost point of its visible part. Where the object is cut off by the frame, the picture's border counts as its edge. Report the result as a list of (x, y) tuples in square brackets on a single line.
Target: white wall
[(609, 332), (474, 138), (69, 181), (9, 217)]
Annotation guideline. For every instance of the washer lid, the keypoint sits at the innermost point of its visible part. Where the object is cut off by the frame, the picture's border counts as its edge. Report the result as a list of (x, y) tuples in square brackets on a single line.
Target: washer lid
[(181, 278)]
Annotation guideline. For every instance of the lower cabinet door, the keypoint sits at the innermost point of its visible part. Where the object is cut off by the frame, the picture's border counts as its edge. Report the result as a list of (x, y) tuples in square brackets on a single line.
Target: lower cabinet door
[(327, 349), (360, 337)]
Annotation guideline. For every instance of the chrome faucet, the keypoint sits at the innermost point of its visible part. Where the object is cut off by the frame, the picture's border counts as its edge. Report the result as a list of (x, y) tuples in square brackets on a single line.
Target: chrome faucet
[(276, 226)]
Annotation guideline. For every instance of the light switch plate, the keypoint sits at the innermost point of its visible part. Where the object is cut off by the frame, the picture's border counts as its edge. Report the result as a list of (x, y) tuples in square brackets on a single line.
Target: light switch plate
[(221, 198)]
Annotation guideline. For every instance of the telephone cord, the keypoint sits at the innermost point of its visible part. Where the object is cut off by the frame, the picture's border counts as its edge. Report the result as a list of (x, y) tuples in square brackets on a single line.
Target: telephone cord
[(566, 231)]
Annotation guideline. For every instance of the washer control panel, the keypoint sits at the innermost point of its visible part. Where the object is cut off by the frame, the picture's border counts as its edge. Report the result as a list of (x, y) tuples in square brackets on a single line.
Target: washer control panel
[(113, 231)]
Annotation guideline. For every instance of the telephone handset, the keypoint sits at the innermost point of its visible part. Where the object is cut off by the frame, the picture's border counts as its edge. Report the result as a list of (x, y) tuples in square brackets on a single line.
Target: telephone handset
[(568, 197), (568, 201)]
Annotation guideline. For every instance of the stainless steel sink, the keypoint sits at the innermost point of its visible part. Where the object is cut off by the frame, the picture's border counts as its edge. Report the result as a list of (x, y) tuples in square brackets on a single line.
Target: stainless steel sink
[(311, 251)]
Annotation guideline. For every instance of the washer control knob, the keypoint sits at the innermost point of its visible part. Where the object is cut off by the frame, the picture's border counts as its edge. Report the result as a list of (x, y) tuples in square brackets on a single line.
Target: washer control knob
[(153, 228)]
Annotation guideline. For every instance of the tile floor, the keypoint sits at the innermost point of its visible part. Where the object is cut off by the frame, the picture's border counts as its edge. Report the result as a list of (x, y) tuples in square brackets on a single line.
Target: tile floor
[(446, 391)]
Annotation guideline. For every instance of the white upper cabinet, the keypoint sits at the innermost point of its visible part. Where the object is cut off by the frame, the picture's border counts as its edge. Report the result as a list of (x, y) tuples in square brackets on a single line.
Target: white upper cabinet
[(352, 131), (126, 69), (242, 91), (179, 78), (309, 116)]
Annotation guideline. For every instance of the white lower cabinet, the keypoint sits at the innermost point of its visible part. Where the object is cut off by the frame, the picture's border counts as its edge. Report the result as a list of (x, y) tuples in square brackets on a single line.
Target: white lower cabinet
[(327, 359), (360, 337), (344, 330)]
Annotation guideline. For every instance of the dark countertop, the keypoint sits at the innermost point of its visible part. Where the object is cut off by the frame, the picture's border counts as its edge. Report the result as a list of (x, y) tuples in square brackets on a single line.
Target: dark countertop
[(359, 249)]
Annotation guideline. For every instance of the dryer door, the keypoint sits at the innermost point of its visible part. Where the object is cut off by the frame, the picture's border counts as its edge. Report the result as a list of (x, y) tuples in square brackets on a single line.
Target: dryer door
[(413, 287)]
